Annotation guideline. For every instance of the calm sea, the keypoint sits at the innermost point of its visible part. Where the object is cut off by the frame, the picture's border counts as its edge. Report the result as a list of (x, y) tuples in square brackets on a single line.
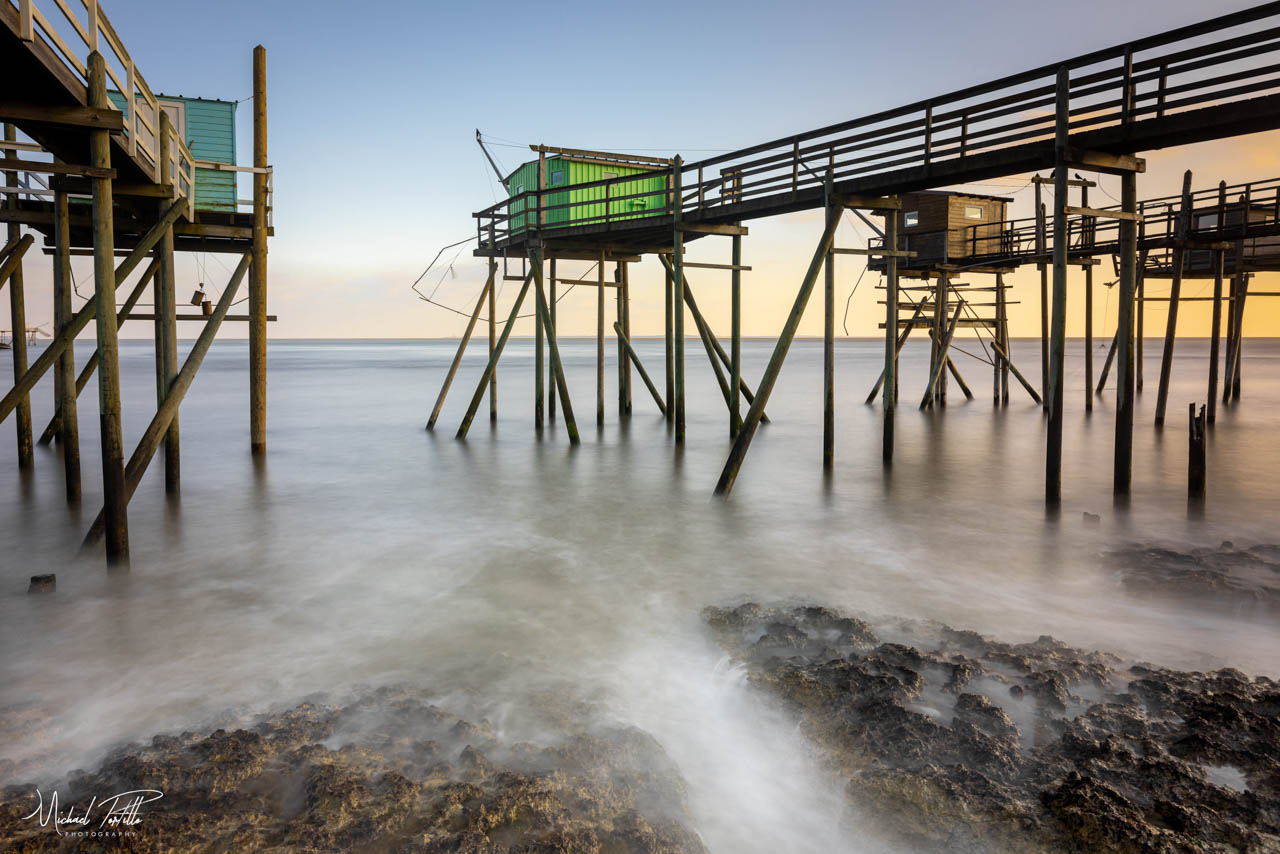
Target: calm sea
[(365, 550)]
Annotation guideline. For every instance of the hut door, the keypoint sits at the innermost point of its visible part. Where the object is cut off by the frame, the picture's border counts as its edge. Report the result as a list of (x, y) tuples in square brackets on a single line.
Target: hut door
[(177, 111)]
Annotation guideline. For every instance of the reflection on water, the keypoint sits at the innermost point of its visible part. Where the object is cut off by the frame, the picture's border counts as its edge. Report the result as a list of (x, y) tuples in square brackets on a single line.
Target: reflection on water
[(365, 550)]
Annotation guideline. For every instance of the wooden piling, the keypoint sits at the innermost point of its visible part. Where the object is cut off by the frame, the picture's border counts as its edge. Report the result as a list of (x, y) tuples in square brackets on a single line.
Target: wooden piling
[(644, 375), (600, 342), (890, 332), (939, 370), (551, 313), (1058, 331), (164, 287), (1122, 475), (1041, 249), (626, 329), (941, 308), (677, 296), (115, 501), (462, 345), (1239, 351), (493, 348), (69, 422), (18, 320), (752, 420), (620, 314), (1196, 464), (1141, 297), (258, 271), (735, 335), (1002, 333), (538, 368), (1215, 332), (553, 346), (168, 409), (1088, 312), (829, 364), (499, 345), (902, 339), (1181, 228), (670, 361)]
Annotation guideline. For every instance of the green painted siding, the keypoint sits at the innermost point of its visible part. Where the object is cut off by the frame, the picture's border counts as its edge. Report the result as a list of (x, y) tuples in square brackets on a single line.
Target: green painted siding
[(586, 205), (211, 135)]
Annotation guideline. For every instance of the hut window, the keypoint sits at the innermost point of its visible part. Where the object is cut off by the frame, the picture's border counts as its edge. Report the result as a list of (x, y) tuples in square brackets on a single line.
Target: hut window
[(519, 189), (911, 219), (609, 174), (557, 177), (973, 212), (1205, 221)]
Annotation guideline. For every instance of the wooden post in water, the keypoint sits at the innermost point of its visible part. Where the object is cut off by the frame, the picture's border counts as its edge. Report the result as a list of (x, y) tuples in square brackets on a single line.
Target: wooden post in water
[(620, 313), (600, 342), (493, 348), (1239, 356), (677, 294), (890, 332), (670, 361), (735, 336), (1122, 475), (626, 329), (1088, 307), (1196, 455), (164, 286), (1142, 309), (462, 345), (69, 426), (1181, 228), (115, 502), (644, 375), (1233, 303), (1042, 248), (18, 320), (258, 271), (538, 346), (752, 420), (550, 299), (829, 363), (1215, 332), (1058, 331), (499, 345), (1003, 331), (557, 367)]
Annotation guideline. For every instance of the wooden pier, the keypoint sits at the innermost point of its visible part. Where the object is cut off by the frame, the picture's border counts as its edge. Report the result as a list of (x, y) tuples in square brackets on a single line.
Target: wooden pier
[(98, 164), (1097, 113)]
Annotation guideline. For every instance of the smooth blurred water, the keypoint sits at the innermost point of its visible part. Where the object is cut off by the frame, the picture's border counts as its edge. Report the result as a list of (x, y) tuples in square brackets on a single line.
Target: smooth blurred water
[(366, 550)]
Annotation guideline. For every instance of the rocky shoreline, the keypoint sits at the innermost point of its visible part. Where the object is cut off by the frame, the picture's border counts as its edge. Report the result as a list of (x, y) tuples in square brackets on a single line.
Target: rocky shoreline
[(962, 743)]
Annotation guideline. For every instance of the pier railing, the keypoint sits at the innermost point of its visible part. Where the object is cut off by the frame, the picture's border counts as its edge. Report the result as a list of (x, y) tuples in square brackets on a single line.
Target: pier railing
[(949, 138), (76, 28)]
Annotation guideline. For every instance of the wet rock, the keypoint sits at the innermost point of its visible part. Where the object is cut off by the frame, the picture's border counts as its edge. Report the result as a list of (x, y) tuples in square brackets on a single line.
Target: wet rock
[(1092, 518), (1242, 581), (372, 774), (960, 742)]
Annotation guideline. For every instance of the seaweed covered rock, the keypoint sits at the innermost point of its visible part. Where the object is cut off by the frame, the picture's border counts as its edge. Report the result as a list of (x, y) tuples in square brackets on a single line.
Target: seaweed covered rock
[(387, 771), (963, 743), (1241, 581)]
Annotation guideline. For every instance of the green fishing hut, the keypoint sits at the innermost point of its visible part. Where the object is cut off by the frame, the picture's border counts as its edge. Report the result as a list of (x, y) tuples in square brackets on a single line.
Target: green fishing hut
[(578, 205)]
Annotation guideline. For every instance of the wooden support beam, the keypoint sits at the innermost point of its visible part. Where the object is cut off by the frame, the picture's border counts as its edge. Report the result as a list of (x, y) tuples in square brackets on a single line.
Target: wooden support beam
[(712, 228), (114, 494), (1101, 161), (539, 347), (78, 383), (735, 336), (166, 321), (752, 421), (557, 367), (625, 295), (829, 362), (890, 372), (1122, 475), (1001, 338), (1215, 341), (462, 346), (1004, 355), (644, 375), (1181, 228), (702, 266), (677, 297), (168, 409), (902, 339), (11, 163), (1099, 213), (875, 252), (18, 313), (1058, 331), (1042, 243), (1088, 318), (944, 347), (551, 290), (69, 421), (600, 342), (725, 359), (96, 118), (258, 271), (669, 321), (619, 314), (494, 355), (868, 203), (704, 333)]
